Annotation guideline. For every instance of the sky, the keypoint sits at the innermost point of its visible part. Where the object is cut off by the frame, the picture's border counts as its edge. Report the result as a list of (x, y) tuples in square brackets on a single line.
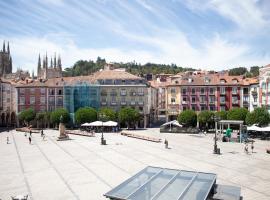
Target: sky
[(203, 34)]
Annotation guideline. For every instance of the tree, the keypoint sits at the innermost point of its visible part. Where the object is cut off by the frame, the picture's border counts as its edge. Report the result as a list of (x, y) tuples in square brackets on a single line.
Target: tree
[(26, 116), (55, 116), (108, 113), (255, 71), (188, 118), (129, 116), (237, 71), (40, 118), (205, 117), (259, 116), (86, 114), (237, 114), (221, 114)]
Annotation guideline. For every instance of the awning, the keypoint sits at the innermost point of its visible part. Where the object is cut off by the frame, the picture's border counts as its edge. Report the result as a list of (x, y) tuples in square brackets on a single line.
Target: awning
[(253, 128), (174, 122), (86, 124), (110, 123), (96, 123)]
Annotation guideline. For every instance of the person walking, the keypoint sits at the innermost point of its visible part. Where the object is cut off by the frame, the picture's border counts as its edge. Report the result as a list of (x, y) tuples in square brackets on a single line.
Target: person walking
[(30, 133), (42, 133), (43, 137), (30, 139), (252, 146), (246, 148), (166, 143)]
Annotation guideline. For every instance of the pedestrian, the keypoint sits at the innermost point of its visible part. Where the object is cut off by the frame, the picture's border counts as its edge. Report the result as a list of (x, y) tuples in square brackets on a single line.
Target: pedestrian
[(30, 139), (42, 133), (7, 140), (43, 138), (252, 146), (30, 133), (246, 148), (166, 143)]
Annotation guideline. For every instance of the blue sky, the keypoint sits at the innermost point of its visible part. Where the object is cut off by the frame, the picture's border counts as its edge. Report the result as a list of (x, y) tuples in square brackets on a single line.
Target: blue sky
[(206, 34)]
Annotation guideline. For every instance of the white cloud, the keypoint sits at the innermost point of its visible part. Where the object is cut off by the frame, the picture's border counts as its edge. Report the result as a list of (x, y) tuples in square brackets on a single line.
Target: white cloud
[(170, 47), (247, 14)]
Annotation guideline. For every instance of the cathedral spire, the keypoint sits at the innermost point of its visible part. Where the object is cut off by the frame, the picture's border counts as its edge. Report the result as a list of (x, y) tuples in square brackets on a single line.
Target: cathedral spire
[(51, 63), (54, 60), (39, 63), (8, 48), (46, 61), (59, 64), (4, 47)]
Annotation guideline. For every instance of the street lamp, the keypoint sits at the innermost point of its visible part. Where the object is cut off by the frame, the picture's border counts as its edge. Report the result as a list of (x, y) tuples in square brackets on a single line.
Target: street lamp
[(101, 116), (216, 119)]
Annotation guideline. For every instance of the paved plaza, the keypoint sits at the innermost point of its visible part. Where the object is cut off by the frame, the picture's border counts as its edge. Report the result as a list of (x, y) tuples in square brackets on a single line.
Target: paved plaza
[(83, 169)]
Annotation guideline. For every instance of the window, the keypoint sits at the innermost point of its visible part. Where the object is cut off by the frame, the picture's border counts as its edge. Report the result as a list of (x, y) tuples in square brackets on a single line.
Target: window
[(184, 99), (123, 81), (212, 108), (212, 90), (60, 92), (22, 100), (202, 90), (103, 93), (59, 101), (42, 91), (193, 99), (51, 100), (184, 91), (42, 100), (32, 90), (123, 92), (234, 90), (113, 92), (140, 91), (32, 100), (203, 108), (222, 81), (42, 108), (235, 81), (193, 90), (235, 100), (202, 99), (173, 100), (173, 90), (245, 99), (51, 91), (212, 99), (222, 108), (255, 98), (222, 90), (222, 99), (22, 91)]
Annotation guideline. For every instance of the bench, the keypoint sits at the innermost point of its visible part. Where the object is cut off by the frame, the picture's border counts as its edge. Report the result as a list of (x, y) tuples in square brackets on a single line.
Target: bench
[(142, 137), (87, 134)]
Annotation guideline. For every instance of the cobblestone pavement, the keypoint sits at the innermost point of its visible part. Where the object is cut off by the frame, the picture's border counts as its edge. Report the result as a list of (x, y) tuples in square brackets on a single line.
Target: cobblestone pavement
[(83, 169)]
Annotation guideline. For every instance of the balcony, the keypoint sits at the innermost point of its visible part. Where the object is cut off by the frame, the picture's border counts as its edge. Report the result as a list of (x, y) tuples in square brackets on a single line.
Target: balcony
[(132, 103), (202, 102), (184, 102), (212, 102), (235, 102), (222, 102), (113, 103), (123, 103), (140, 93), (245, 102), (113, 94), (193, 102), (140, 103), (132, 93), (123, 93), (173, 106), (255, 103), (254, 93), (104, 103)]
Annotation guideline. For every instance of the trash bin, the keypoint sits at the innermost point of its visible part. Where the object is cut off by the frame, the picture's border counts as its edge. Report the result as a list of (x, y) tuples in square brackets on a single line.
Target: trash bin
[(104, 142)]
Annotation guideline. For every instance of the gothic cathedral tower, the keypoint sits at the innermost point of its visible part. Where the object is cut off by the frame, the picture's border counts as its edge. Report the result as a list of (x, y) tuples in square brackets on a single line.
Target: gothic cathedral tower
[(5, 60)]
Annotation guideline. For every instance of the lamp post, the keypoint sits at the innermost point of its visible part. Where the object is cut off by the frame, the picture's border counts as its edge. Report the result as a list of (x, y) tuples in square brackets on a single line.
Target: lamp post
[(101, 117), (216, 119)]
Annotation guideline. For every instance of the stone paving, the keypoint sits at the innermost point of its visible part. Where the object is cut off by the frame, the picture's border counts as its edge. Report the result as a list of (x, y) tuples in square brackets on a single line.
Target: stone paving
[(83, 169)]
